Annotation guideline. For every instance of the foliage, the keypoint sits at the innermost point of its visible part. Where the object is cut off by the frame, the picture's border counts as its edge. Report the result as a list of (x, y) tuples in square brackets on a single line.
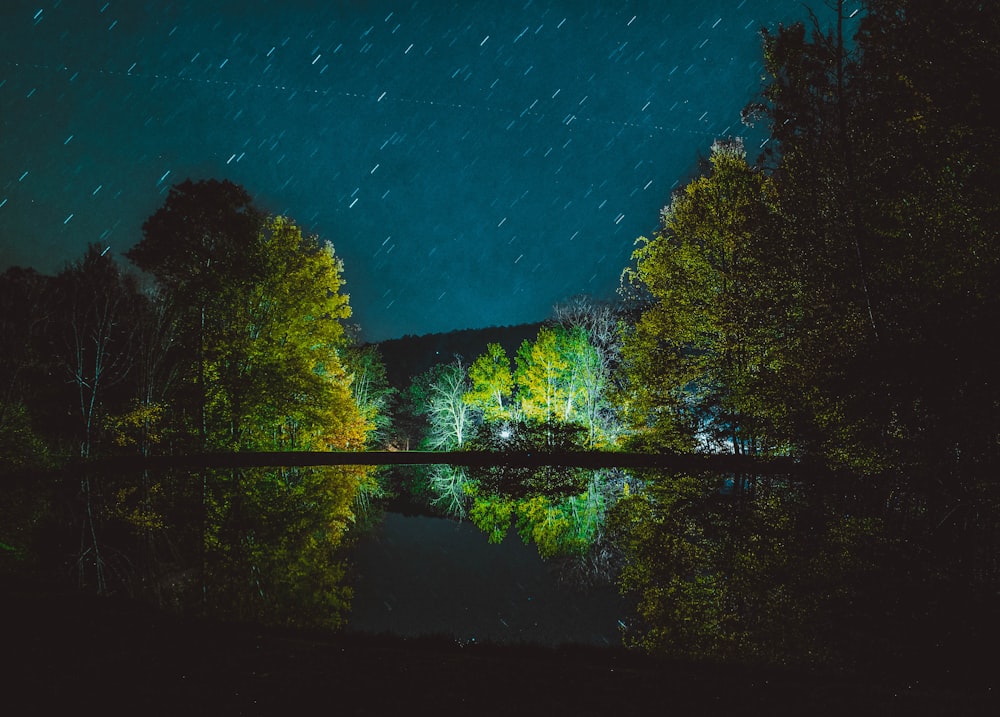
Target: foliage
[(439, 394), (370, 389), (827, 304), (260, 308), (492, 384), (547, 378), (238, 346), (701, 357), (554, 401)]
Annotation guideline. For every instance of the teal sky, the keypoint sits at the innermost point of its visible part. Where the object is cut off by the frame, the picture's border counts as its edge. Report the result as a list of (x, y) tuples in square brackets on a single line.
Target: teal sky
[(472, 162)]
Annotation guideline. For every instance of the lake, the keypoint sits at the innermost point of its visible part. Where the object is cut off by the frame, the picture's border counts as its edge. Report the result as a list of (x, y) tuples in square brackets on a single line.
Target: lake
[(421, 575)]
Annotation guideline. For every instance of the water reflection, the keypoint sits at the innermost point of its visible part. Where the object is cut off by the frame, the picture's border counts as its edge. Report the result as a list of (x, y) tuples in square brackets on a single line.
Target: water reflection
[(260, 544), (769, 569), (766, 569), (422, 575)]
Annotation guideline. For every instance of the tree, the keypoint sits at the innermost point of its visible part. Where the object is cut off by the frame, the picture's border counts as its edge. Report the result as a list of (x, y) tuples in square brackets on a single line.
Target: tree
[(439, 394), (601, 321), (259, 308), (202, 240), (592, 373), (370, 388), (813, 102), (701, 354), (599, 359), (278, 379), (492, 384), (929, 207), (886, 156), (96, 354), (101, 305), (549, 374)]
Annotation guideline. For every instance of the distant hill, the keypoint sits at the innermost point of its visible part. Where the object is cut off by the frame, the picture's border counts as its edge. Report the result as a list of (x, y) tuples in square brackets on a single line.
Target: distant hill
[(409, 356)]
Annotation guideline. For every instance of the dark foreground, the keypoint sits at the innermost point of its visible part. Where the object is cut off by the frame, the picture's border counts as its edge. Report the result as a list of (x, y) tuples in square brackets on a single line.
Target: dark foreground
[(111, 656)]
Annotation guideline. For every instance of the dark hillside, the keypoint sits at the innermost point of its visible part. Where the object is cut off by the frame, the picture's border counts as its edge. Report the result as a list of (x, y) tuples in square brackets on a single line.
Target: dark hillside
[(410, 356)]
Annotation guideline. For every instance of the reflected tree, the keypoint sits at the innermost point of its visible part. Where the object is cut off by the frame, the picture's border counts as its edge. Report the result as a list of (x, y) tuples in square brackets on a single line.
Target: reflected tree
[(778, 575)]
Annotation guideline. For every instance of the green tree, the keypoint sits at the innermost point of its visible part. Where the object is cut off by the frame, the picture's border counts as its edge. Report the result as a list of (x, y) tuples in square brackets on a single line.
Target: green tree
[(262, 307), (492, 384), (599, 358), (702, 353), (549, 374)]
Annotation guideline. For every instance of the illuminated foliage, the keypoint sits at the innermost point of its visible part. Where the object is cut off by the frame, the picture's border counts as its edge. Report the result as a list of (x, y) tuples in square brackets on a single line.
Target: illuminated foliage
[(262, 308), (546, 378), (370, 389), (492, 384), (833, 308), (439, 394), (700, 355)]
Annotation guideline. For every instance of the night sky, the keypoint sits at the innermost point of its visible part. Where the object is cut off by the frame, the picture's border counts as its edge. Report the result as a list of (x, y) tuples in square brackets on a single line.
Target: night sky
[(472, 162)]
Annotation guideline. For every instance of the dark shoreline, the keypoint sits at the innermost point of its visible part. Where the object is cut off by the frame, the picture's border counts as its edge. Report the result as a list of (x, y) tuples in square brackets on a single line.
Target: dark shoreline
[(115, 655)]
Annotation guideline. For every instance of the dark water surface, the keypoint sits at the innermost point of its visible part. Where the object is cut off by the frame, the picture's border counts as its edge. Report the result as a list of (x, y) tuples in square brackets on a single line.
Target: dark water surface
[(419, 575)]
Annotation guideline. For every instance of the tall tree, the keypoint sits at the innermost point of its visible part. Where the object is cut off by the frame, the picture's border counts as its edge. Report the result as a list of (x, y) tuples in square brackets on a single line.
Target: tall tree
[(594, 347), (370, 388), (929, 185), (700, 353), (885, 176), (97, 331), (548, 374), (203, 240), (260, 309)]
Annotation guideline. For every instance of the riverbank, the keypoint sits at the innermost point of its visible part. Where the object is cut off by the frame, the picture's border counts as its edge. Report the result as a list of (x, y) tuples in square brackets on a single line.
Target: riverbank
[(116, 656)]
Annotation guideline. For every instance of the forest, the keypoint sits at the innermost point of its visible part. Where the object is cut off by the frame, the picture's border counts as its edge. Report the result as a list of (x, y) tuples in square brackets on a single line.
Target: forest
[(831, 303)]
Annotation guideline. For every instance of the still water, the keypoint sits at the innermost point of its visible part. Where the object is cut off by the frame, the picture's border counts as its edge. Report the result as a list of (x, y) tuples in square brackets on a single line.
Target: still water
[(420, 575)]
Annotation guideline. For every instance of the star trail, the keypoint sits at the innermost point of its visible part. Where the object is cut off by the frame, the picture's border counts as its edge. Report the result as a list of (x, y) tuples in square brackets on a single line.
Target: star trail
[(472, 162)]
